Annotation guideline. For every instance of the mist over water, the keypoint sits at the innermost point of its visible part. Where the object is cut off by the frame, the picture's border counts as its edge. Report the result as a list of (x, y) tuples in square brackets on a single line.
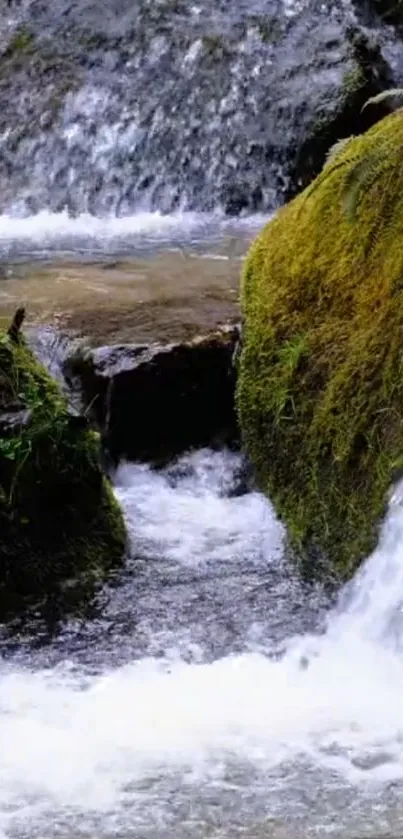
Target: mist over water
[(214, 695)]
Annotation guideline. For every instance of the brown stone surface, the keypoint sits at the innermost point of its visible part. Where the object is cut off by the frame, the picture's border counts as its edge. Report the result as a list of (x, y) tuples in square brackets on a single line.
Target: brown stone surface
[(172, 296)]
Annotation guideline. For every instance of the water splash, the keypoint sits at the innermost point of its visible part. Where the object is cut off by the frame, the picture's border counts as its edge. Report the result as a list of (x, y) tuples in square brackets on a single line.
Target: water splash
[(125, 749), (50, 234)]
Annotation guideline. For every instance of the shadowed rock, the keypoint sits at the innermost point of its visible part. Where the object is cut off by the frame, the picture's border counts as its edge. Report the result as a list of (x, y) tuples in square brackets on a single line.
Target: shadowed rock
[(151, 402)]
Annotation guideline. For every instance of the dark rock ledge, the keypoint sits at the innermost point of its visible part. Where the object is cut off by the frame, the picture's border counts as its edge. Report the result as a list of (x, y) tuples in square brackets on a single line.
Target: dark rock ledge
[(151, 402)]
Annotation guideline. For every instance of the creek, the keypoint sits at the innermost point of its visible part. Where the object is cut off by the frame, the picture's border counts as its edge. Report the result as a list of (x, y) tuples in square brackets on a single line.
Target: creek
[(211, 692)]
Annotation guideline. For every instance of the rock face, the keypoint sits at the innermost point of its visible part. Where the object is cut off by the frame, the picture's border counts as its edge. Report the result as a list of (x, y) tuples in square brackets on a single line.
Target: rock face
[(387, 11), (151, 402), (368, 74), (320, 393), (59, 521)]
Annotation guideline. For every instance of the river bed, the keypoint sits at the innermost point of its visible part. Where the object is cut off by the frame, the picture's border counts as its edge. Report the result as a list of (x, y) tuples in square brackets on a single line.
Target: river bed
[(144, 279)]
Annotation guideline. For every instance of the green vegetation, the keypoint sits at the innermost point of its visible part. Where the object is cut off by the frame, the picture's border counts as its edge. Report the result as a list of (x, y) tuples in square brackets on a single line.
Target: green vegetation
[(366, 76), (58, 517), (320, 392), (270, 28), (22, 41), (215, 47), (353, 82)]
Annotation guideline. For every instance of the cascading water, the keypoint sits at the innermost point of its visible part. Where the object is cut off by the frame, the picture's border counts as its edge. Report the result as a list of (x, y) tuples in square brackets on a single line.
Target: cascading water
[(211, 697), (212, 694), (149, 108), (159, 106)]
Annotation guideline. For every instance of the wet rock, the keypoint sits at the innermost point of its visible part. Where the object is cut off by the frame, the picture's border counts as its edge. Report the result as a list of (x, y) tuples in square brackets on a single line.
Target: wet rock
[(368, 74), (368, 762), (386, 11), (151, 402), (14, 330)]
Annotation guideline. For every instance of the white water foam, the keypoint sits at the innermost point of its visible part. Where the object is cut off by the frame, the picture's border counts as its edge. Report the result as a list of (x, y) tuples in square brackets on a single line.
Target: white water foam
[(56, 232), (77, 744), (190, 520), (48, 230)]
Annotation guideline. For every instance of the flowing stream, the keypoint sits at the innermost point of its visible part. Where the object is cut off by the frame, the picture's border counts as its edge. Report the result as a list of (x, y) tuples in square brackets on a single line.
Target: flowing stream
[(213, 695), (58, 235)]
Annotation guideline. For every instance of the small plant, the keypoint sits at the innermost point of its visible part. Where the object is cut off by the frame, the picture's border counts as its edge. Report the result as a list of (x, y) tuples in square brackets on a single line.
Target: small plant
[(288, 360), (363, 170), (12, 448)]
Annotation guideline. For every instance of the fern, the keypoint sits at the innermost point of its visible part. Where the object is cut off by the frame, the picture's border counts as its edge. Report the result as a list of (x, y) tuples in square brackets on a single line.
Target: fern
[(363, 175), (385, 202), (392, 93), (335, 150), (360, 178), (362, 172), (326, 173)]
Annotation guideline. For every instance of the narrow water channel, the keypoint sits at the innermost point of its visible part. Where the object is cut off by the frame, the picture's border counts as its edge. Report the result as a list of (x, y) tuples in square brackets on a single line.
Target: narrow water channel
[(213, 694)]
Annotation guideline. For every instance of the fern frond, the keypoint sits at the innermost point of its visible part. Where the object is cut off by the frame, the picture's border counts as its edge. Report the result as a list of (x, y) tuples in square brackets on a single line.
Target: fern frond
[(355, 181), (361, 177), (336, 148), (385, 202), (392, 93), (324, 176)]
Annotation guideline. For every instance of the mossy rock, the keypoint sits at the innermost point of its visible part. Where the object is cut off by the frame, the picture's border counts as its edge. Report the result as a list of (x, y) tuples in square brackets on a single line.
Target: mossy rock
[(59, 520), (320, 390)]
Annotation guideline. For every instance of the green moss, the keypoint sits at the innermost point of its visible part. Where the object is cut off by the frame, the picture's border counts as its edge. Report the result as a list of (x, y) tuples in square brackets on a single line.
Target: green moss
[(320, 392), (353, 82), (58, 516), (269, 27), (22, 41), (215, 47)]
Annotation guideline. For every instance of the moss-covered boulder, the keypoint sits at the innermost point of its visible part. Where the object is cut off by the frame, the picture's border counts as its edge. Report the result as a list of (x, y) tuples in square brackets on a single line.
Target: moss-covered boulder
[(320, 392), (59, 520)]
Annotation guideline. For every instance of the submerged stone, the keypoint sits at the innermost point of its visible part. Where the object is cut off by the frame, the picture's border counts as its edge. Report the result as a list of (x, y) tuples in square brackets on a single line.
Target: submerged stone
[(59, 521), (320, 392)]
